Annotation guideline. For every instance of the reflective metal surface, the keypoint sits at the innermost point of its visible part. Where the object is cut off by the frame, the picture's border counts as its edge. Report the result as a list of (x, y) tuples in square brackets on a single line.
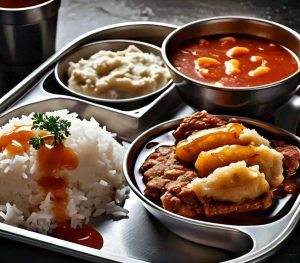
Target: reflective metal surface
[(149, 32), (28, 34), (140, 237), (261, 101), (128, 123)]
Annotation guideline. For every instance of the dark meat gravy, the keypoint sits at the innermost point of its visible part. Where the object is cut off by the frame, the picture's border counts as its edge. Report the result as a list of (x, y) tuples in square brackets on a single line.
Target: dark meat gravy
[(283, 197), (151, 145)]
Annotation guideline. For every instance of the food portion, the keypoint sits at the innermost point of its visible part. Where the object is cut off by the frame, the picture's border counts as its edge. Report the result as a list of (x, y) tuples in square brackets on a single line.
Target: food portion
[(235, 61), (233, 183), (269, 160), (232, 133), (56, 172), (166, 180), (118, 75), (218, 168)]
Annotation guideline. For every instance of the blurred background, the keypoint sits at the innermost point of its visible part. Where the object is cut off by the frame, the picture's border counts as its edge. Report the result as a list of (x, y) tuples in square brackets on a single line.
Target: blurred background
[(77, 17)]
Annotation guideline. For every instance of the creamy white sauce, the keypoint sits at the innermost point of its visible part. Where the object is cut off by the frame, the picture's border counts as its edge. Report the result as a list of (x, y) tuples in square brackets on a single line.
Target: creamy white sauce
[(118, 75)]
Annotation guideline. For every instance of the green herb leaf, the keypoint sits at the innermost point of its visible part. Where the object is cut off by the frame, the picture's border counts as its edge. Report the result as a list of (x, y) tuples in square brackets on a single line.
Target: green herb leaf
[(36, 142), (56, 126)]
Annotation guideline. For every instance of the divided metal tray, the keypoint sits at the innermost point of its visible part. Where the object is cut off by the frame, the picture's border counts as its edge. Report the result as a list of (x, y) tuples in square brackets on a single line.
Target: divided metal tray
[(140, 237)]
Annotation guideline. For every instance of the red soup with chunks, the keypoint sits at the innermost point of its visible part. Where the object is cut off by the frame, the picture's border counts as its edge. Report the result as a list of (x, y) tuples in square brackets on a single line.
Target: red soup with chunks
[(235, 60)]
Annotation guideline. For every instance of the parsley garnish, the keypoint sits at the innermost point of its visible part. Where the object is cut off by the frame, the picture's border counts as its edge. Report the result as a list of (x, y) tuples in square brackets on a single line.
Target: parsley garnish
[(56, 126)]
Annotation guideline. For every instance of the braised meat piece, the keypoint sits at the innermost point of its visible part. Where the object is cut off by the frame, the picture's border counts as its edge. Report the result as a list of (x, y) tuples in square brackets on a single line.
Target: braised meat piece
[(162, 170), (215, 208), (291, 156), (196, 122), (182, 201), (166, 178)]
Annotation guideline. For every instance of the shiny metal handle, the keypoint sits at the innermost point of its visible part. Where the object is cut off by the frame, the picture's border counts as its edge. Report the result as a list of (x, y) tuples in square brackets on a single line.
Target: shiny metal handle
[(290, 111)]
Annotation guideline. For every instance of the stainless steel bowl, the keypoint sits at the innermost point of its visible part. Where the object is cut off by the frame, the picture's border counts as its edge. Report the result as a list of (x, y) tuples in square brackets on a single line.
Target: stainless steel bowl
[(86, 51), (259, 101), (259, 239), (27, 34)]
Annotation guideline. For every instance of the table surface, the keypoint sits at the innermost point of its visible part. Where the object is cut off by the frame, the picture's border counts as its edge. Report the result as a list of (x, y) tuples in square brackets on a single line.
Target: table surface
[(77, 17)]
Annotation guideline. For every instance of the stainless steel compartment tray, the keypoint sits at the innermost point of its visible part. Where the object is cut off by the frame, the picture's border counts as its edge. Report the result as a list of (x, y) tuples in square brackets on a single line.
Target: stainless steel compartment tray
[(139, 238), (130, 122)]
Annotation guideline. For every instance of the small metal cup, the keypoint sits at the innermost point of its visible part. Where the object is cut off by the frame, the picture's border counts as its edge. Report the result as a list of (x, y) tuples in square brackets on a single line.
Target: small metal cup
[(28, 34)]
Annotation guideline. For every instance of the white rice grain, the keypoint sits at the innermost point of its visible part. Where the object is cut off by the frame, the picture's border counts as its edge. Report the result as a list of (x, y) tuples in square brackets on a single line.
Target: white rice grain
[(95, 187)]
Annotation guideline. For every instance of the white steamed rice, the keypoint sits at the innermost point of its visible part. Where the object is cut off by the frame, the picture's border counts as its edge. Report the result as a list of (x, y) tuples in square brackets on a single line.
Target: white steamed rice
[(95, 187)]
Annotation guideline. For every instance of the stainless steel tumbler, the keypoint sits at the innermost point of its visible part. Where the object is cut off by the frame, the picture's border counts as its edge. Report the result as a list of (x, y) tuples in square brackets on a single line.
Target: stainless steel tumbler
[(27, 35)]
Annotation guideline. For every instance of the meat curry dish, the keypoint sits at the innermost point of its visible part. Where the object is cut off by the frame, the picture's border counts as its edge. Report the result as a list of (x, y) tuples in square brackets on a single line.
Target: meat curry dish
[(219, 170)]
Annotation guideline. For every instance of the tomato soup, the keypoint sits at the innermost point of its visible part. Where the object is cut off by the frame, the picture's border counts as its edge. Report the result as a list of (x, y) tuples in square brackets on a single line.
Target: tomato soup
[(235, 60)]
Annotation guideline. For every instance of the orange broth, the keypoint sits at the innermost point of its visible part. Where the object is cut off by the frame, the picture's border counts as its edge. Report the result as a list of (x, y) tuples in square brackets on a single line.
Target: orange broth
[(277, 61)]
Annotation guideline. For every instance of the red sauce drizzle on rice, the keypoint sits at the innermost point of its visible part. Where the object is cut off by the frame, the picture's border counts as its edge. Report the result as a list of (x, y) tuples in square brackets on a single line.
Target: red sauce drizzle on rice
[(52, 161), (16, 141)]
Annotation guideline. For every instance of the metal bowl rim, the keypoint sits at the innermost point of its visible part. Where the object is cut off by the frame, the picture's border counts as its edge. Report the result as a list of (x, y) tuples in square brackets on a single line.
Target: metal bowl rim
[(27, 7)]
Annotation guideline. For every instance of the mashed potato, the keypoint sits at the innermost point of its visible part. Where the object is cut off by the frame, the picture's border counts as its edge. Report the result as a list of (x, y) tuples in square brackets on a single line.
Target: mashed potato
[(233, 183), (234, 163), (118, 75), (269, 160)]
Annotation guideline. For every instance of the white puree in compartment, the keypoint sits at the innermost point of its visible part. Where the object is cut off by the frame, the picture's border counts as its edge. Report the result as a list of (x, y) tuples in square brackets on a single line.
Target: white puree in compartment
[(118, 75), (233, 183)]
